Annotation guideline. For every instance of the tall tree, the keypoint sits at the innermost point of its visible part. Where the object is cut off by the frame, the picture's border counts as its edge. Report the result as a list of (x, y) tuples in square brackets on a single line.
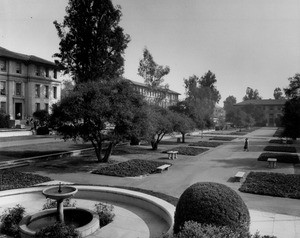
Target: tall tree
[(228, 103), (251, 94), (202, 97), (152, 72), (278, 93), (293, 90), (92, 43)]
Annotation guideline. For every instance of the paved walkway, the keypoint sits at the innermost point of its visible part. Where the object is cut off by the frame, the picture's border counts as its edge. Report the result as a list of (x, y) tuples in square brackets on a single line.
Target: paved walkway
[(269, 215)]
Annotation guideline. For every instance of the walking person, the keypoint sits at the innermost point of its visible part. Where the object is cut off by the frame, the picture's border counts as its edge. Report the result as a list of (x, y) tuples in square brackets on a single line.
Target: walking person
[(246, 145)]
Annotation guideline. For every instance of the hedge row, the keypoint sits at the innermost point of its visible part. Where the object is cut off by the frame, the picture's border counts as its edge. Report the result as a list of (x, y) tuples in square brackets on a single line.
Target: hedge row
[(288, 149), (281, 158), (206, 144), (187, 150)]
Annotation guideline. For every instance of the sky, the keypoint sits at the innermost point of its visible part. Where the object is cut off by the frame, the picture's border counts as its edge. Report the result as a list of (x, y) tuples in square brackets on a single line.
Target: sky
[(245, 43)]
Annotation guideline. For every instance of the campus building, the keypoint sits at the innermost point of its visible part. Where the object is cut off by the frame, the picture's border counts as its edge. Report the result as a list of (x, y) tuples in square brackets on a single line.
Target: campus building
[(167, 96), (27, 84), (272, 108)]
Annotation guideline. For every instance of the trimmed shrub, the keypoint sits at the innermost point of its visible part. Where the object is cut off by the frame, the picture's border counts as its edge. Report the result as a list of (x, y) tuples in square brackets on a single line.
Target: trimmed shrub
[(10, 220), (222, 138), (280, 141), (206, 144), (191, 151), (214, 204), (4, 120), (281, 158), (58, 230), (288, 149), (105, 212), (42, 130)]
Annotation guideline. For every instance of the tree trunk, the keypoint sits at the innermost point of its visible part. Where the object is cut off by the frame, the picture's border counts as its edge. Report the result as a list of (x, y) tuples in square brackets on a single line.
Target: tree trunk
[(154, 145), (97, 148), (183, 137), (108, 152)]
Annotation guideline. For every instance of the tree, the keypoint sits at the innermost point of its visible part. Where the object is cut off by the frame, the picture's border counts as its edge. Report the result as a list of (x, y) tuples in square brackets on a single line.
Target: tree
[(152, 72), (182, 124), (293, 90), (278, 93), (201, 99), (98, 112), (251, 94), (92, 43), (228, 104), (67, 87)]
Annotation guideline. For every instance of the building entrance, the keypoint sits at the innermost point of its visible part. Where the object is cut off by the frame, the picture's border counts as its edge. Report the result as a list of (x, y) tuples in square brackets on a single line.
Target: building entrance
[(18, 111)]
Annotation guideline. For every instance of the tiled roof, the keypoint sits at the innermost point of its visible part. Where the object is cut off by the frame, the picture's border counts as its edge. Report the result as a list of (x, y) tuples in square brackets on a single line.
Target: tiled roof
[(262, 102), (28, 58), (146, 86)]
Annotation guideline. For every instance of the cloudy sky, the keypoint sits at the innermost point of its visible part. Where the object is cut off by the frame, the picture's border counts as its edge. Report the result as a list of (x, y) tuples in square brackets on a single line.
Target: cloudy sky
[(246, 43)]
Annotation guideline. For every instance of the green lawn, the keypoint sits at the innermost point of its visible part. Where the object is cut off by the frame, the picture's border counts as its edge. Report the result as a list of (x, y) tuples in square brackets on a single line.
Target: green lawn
[(272, 184)]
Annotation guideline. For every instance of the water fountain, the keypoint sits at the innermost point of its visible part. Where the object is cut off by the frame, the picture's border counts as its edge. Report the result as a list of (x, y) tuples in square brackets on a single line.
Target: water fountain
[(85, 221)]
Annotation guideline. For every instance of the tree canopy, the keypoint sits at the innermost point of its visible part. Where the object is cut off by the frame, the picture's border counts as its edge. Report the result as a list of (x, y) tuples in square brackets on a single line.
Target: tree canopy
[(228, 103), (293, 90), (98, 112), (251, 94), (278, 94), (92, 43), (201, 99), (152, 73)]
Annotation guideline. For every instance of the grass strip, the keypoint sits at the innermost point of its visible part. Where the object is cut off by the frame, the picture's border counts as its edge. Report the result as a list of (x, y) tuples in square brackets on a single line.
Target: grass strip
[(272, 184), (206, 144), (222, 138), (288, 149)]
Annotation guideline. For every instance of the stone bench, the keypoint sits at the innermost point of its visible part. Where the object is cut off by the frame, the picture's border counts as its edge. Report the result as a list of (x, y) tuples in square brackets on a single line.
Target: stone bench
[(163, 167), (172, 154), (272, 162), (239, 175)]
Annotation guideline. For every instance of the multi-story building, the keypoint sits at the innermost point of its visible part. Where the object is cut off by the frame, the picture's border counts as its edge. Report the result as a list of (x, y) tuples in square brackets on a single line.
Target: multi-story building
[(272, 108), (164, 97), (27, 84)]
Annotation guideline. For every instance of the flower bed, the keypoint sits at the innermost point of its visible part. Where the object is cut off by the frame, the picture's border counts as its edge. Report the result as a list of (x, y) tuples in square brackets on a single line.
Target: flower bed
[(281, 158), (129, 168), (188, 150), (10, 179), (288, 149), (222, 138), (206, 144), (272, 184)]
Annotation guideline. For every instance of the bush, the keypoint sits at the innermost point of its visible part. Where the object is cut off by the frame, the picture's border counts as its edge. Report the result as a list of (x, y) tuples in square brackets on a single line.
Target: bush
[(281, 158), (288, 149), (191, 151), (4, 120), (42, 130), (105, 212), (214, 204), (10, 220), (53, 203), (58, 230)]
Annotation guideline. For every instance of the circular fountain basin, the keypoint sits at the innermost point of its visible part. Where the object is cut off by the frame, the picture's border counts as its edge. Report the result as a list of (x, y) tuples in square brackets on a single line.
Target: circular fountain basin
[(85, 221), (65, 192)]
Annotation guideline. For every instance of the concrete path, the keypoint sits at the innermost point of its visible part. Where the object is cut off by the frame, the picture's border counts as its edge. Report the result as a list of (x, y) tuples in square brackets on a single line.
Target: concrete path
[(269, 215)]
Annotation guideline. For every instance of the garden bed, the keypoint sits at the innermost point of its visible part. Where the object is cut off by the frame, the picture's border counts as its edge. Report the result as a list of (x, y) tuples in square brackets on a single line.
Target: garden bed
[(131, 168), (222, 138), (272, 184), (288, 149), (11, 179), (281, 158), (206, 144), (188, 150)]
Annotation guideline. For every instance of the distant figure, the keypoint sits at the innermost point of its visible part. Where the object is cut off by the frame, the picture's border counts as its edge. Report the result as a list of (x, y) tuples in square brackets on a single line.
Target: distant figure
[(246, 145)]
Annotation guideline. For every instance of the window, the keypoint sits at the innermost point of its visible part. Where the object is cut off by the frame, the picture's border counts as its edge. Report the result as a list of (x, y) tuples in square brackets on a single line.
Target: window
[(37, 71), (18, 89), (55, 73), (37, 106), (37, 90), (46, 91), (2, 65), (46, 107), (18, 68), (2, 88), (3, 106), (47, 72), (55, 92)]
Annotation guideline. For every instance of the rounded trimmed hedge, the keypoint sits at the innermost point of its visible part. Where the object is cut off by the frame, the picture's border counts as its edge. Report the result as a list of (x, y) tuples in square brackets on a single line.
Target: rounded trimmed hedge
[(211, 203)]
